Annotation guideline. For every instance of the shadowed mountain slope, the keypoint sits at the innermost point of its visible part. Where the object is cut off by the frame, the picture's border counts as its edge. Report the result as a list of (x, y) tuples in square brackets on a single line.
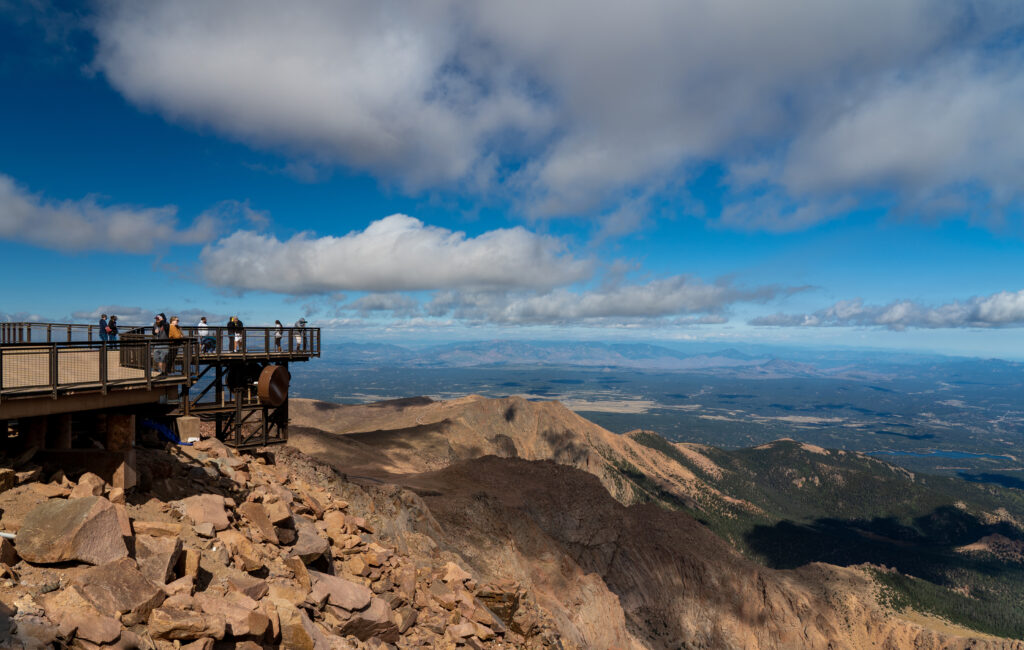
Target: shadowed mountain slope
[(663, 573)]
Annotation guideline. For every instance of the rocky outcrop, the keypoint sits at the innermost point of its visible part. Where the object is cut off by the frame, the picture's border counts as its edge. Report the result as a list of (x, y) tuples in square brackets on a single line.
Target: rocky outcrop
[(279, 560)]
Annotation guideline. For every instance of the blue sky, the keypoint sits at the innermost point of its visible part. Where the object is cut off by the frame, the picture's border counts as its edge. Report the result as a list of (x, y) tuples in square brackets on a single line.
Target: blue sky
[(713, 171)]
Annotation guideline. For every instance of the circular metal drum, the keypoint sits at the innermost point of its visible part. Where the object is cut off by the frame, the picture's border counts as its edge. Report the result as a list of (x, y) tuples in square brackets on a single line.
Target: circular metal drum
[(273, 385)]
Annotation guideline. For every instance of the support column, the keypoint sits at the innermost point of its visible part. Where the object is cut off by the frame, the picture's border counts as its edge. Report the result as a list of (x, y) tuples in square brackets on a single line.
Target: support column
[(121, 438), (34, 431), (58, 434), (120, 432)]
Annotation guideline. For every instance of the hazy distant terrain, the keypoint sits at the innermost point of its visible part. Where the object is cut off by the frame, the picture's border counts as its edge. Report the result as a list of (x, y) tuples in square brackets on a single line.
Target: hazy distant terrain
[(932, 413)]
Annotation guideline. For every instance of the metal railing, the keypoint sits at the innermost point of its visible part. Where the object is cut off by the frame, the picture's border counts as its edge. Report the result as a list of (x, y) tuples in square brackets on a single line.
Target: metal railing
[(216, 341), (260, 342), (50, 333), (55, 368)]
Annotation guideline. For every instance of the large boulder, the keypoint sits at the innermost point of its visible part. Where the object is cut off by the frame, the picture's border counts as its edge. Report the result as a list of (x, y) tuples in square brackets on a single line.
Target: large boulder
[(297, 631), (339, 591), (119, 589), (209, 508), (157, 556), (77, 617), (256, 515), (310, 545), (244, 553), (180, 624), (84, 530), (89, 485), (240, 613), (374, 621)]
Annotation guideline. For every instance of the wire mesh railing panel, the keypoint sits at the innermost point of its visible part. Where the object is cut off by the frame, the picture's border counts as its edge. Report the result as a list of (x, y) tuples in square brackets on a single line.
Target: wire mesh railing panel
[(56, 367), (78, 365), (25, 368)]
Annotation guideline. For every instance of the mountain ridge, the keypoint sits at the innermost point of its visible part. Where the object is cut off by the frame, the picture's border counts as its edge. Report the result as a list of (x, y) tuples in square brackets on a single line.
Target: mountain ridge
[(409, 441)]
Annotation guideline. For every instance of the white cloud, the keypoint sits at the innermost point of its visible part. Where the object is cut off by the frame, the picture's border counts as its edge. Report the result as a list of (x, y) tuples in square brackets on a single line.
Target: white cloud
[(395, 304), (621, 303), (397, 253), (1002, 309), (575, 107), (20, 317), (132, 315), (85, 224)]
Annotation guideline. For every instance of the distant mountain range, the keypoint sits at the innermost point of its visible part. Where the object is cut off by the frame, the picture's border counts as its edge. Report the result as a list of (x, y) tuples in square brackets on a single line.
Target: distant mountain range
[(868, 365), (634, 356)]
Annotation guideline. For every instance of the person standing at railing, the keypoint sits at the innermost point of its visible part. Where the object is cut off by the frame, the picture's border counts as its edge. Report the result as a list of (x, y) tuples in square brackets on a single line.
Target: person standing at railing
[(176, 337), (112, 330), (103, 328), (203, 330), (300, 333), (235, 332), (160, 351), (278, 334)]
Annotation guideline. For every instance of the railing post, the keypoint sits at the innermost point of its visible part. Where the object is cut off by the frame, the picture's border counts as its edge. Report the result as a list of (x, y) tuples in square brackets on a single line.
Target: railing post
[(238, 418), (103, 366), (69, 334), (149, 366), (53, 370), (266, 341), (49, 333)]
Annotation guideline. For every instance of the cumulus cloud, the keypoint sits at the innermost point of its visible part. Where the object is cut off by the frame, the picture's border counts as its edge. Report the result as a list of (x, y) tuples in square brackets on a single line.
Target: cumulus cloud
[(674, 296), (1003, 309), (128, 315), (578, 108), (20, 317), (85, 224), (397, 253), (395, 304)]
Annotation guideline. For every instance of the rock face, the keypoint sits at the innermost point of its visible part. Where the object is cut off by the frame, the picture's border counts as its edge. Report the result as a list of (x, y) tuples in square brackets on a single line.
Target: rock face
[(86, 530)]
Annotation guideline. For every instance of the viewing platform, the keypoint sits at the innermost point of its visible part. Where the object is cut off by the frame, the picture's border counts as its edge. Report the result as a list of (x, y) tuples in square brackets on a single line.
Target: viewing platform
[(213, 373)]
